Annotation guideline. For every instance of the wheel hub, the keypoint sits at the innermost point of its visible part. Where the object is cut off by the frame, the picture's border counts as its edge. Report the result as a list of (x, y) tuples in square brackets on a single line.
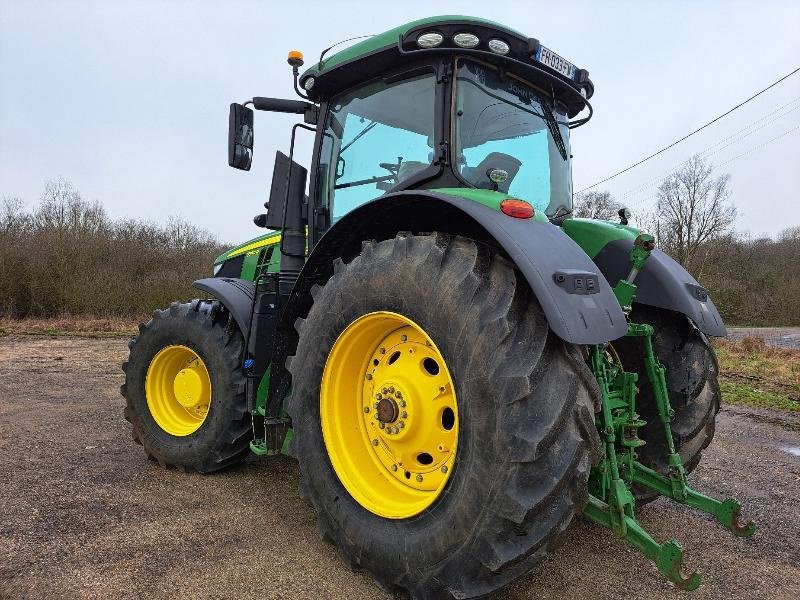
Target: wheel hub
[(188, 387), (387, 410)]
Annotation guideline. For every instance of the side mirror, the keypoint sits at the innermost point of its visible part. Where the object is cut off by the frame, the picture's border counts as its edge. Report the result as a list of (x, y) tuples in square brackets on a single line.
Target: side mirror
[(240, 137)]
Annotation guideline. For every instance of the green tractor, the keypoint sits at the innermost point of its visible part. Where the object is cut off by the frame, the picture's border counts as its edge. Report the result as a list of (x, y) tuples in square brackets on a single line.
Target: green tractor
[(459, 366)]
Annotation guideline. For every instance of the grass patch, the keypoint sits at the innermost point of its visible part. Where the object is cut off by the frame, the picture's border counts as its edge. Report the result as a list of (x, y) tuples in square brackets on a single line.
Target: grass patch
[(754, 374)]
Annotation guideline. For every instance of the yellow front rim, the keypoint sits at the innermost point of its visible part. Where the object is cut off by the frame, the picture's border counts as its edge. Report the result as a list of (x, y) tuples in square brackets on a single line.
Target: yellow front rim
[(389, 415), (178, 390)]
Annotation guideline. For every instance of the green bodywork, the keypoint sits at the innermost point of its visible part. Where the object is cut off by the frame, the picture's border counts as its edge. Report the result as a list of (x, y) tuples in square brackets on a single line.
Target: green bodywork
[(592, 235)]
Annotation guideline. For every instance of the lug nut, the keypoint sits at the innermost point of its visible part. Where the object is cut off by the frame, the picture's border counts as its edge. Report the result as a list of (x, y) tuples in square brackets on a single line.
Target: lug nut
[(385, 391), (419, 478), (374, 405), (376, 416), (369, 376), (375, 442), (444, 469), (402, 403), (399, 394), (401, 424), (382, 350), (381, 425), (403, 338), (377, 396), (391, 389), (366, 409), (394, 467), (404, 414)]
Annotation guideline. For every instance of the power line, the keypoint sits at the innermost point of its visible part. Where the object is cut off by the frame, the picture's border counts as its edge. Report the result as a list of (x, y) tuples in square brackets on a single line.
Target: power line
[(743, 154), (715, 148), (688, 135)]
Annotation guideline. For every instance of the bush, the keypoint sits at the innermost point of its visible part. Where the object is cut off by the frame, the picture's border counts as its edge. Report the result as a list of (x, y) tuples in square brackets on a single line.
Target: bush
[(68, 257)]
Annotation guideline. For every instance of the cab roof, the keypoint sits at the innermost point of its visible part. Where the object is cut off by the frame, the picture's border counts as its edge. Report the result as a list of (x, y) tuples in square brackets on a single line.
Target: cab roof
[(380, 53)]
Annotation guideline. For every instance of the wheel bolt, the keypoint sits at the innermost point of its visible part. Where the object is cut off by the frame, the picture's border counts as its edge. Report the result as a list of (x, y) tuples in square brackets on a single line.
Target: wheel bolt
[(366, 409), (444, 469), (419, 478), (375, 442)]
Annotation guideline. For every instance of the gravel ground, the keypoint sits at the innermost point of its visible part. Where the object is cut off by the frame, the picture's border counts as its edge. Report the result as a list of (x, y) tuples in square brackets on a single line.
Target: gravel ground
[(84, 514)]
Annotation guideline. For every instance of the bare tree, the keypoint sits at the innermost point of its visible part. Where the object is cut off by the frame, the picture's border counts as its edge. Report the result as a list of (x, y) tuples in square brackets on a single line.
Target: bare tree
[(595, 205), (693, 208), (62, 208)]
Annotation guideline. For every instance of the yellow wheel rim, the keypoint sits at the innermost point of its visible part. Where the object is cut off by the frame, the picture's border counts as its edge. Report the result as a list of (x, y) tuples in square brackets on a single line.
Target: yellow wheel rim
[(389, 415), (178, 390)]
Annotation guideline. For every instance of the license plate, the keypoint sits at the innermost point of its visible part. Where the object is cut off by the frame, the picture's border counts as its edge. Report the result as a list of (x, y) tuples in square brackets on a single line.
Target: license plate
[(550, 59)]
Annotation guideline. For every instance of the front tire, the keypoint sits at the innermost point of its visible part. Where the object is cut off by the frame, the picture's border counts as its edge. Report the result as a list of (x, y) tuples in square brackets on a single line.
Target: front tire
[(523, 411), (185, 390)]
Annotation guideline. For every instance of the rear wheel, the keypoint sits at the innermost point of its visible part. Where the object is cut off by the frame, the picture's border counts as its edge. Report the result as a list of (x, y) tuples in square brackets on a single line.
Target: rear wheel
[(444, 434), (692, 371), (185, 390)]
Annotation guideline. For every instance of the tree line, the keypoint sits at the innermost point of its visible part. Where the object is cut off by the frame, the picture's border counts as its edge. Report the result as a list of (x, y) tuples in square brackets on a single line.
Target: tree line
[(67, 256), (753, 280)]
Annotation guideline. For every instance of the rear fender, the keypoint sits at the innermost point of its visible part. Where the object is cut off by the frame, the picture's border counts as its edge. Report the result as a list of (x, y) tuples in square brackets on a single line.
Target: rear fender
[(550, 261), (663, 283)]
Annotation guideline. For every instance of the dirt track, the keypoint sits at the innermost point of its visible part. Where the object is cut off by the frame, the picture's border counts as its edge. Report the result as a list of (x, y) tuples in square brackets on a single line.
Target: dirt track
[(83, 513)]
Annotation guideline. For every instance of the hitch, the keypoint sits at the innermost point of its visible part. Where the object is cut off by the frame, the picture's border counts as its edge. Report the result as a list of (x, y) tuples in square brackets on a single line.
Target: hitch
[(611, 502)]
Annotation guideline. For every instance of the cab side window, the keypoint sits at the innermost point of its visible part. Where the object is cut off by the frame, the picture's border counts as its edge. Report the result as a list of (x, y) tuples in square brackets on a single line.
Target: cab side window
[(376, 137)]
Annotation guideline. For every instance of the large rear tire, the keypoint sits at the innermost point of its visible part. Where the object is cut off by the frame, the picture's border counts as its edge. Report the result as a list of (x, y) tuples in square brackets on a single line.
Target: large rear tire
[(692, 371), (185, 390), (522, 405)]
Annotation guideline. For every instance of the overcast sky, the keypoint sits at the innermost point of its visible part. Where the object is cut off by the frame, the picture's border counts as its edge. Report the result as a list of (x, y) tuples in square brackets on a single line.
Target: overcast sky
[(129, 100)]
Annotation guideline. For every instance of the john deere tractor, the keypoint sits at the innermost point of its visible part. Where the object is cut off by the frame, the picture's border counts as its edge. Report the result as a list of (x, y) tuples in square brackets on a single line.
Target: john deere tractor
[(459, 366)]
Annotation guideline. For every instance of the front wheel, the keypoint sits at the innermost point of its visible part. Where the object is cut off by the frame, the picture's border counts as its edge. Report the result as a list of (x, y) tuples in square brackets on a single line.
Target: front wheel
[(444, 434), (185, 390)]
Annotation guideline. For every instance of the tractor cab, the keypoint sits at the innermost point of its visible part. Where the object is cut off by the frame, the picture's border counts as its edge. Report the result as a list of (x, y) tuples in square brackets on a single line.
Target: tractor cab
[(441, 103), (498, 133)]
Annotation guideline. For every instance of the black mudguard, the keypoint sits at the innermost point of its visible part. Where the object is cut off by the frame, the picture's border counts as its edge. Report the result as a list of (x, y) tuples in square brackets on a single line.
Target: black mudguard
[(235, 294), (550, 261), (663, 283)]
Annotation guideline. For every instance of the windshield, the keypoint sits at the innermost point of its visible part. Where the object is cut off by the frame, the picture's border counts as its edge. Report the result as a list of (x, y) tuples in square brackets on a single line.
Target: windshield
[(508, 138), (376, 137)]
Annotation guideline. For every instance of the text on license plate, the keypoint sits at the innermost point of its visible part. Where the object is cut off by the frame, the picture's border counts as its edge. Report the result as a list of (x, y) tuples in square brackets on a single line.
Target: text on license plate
[(550, 59)]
